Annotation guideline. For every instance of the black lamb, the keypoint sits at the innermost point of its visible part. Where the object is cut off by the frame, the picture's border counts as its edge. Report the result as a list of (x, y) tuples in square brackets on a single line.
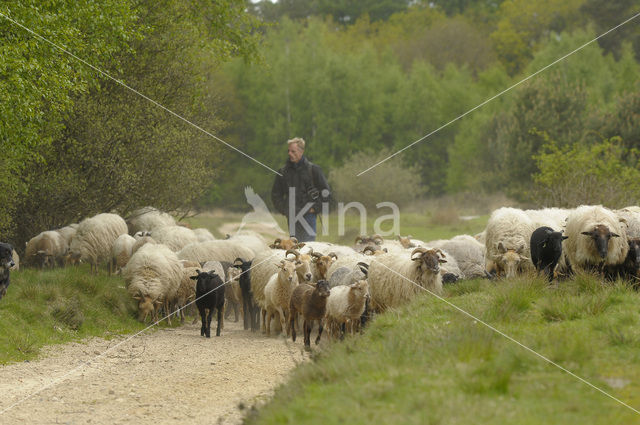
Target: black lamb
[(209, 295), (546, 249), (250, 308)]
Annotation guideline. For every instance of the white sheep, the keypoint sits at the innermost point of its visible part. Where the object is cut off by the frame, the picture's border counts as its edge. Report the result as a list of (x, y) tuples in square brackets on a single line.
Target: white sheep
[(345, 305), (122, 251), (175, 237), (508, 234), (395, 279), (219, 250), (596, 237), (95, 237), (254, 242), (140, 241), (68, 232), (203, 234), (46, 249), (152, 276), (148, 218), (277, 294), (467, 251), (631, 217)]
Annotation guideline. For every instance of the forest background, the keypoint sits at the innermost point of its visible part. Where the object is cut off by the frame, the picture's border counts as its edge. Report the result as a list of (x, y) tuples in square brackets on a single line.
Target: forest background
[(358, 80)]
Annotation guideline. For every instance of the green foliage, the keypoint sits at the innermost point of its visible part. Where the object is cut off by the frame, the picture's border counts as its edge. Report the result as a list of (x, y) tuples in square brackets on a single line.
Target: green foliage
[(603, 173), (388, 182)]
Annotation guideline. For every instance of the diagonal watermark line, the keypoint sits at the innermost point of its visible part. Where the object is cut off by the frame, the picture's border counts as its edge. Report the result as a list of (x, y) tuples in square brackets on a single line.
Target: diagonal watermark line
[(138, 93), (499, 94), (88, 362), (548, 360)]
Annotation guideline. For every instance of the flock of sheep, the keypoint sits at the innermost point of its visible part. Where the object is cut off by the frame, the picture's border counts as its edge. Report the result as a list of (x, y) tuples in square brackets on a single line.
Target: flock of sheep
[(165, 266)]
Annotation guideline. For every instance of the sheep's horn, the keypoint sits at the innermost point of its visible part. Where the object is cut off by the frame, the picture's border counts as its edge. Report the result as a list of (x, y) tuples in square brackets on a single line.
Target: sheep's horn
[(294, 239), (292, 251), (438, 251), (333, 254), (420, 250), (368, 249), (315, 254), (359, 238), (377, 237)]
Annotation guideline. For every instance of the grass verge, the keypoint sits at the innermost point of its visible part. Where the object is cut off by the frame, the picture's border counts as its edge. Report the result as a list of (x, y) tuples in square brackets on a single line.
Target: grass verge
[(430, 364), (61, 305)]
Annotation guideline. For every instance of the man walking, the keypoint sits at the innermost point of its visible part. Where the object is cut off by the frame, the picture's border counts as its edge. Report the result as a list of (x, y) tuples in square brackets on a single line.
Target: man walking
[(299, 193)]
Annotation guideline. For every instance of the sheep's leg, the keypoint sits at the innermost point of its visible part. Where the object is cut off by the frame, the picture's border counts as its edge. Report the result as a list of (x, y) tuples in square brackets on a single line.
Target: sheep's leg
[(282, 320), (220, 322), (266, 325), (319, 332), (209, 317), (236, 307), (246, 317), (292, 325), (203, 318), (167, 311), (306, 329), (343, 330)]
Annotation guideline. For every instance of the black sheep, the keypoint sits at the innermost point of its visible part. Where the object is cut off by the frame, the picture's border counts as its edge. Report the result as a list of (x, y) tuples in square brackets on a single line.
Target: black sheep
[(250, 308), (209, 295), (6, 262), (546, 249)]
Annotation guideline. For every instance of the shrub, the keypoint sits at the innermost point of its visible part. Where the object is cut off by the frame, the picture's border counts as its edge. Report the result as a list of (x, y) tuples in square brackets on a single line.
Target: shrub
[(387, 182), (603, 173)]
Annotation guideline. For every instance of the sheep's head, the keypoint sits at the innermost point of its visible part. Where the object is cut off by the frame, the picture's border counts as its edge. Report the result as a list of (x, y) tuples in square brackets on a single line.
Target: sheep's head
[(287, 272), (234, 273), (510, 260), (601, 235), (146, 306), (322, 288), (374, 250), (552, 241), (360, 289), (428, 259), (323, 262), (633, 255), (303, 265)]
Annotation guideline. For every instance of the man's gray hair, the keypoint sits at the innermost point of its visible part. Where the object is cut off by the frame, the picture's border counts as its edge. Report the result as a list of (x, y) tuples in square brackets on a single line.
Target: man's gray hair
[(298, 141)]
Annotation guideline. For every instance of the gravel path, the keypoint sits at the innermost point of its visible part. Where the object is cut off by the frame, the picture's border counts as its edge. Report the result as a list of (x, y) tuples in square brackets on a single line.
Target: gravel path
[(166, 376)]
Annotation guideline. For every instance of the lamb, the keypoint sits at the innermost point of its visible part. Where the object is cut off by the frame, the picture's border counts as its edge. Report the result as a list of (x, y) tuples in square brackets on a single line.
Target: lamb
[(249, 306), (152, 276), (395, 279), (175, 237), (46, 250), (507, 242), (277, 294), (546, 249), (630, 268), (310, 300), (596, 238), (148, 218), (95, 237), (122, 251), (346, 305), (6, 262), (203, 234), (209, 296), (220, 250)]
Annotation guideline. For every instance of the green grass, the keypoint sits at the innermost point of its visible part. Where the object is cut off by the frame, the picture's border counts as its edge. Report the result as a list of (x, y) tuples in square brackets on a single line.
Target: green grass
[(61, 305), (430, 364)]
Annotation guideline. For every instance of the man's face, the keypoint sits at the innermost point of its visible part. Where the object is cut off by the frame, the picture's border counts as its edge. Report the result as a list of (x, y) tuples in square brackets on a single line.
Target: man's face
[(295, 153)]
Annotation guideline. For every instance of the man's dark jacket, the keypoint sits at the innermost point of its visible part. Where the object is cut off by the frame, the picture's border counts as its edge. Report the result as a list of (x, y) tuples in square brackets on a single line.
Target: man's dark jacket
[(297, 175)]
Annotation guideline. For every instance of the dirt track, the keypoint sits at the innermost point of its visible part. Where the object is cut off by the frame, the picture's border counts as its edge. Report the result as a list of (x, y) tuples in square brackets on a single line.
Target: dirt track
[(166, 376)]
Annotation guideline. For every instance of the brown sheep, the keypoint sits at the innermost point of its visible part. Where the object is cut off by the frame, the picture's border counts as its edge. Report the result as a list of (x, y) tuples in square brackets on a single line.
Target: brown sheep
[(310, 300)]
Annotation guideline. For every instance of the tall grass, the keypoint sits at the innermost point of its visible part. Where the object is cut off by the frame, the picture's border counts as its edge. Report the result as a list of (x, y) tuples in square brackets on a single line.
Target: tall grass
[(56, 306), (428, 363)]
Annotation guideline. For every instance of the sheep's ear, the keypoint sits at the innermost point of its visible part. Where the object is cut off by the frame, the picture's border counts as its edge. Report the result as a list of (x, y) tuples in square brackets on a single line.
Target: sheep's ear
[(501, 248), (520, 249), (137, 297), (272, 246), (565, 237), (615, 235), (587, 233), (301, 245)]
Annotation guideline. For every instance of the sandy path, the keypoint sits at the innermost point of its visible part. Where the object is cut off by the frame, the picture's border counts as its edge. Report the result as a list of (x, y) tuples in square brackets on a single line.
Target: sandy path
[(166, 376)]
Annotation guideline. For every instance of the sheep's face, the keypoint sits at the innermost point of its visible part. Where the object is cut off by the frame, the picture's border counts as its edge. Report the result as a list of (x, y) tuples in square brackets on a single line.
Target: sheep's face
[(323, 263), (146, 306), (510, 260), (634, 252), (43, 259), (287, 271), (322, 288), (601, 235), (360, 289), (428, 260), (234, 274), (303, 267)]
